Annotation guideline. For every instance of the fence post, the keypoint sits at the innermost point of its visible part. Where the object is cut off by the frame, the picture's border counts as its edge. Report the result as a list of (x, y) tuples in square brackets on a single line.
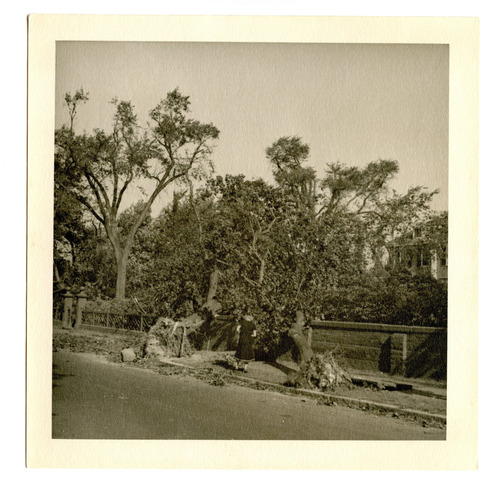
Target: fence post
[(68, 310), (81, 299), (141, 323)]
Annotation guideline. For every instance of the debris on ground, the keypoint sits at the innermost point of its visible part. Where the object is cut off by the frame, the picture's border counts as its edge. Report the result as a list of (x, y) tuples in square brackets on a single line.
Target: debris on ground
[(97, 344), (218, 380), (169, 338), (324, 371), (321, 371), (128, 355)]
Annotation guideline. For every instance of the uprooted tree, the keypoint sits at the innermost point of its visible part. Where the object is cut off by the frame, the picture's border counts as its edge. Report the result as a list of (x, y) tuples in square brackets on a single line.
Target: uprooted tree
[(301, 338), (320, 371), (274, 249)]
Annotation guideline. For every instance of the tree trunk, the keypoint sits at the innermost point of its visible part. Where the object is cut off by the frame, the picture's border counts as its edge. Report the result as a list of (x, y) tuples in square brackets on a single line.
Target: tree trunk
[(121, 274), (212, 288), (122, 251), (211, 304), (300, 338)]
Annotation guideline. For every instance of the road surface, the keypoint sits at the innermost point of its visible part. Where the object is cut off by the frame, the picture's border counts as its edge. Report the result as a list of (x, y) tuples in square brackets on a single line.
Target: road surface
[(95, 399)]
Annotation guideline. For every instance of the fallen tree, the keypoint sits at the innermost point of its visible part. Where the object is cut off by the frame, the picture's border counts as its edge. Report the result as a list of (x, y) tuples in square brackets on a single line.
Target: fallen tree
[(317, 371), (300, 335), (170, 338)]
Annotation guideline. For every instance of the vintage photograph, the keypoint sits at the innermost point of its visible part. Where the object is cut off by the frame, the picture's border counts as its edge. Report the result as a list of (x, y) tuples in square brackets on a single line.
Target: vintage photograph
[(238, 243), (262, 229)]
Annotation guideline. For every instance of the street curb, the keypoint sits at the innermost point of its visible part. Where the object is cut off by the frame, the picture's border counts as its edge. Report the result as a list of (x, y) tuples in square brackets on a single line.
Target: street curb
[(361, 404), (364, 381)]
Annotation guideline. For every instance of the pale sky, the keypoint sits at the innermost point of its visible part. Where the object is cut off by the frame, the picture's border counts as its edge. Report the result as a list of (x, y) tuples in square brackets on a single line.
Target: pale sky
[(352, 103)]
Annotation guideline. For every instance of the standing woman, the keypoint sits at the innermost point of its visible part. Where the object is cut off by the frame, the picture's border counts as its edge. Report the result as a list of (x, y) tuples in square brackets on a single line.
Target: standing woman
[(247, 332)]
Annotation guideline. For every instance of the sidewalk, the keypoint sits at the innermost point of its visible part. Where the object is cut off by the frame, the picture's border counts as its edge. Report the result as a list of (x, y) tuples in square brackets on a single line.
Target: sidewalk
[(277, 372), (418, 399), (421, 387)]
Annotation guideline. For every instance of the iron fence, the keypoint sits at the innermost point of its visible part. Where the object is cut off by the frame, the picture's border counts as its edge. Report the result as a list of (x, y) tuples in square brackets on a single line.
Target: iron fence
[(113, 320)]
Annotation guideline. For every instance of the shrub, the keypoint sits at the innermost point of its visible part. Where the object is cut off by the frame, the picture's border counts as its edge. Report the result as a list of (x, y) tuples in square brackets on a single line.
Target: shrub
[(399, 298)]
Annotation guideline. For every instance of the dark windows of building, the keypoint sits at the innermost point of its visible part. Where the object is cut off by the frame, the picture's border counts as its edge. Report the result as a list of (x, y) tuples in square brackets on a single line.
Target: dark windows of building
[(423, 258)]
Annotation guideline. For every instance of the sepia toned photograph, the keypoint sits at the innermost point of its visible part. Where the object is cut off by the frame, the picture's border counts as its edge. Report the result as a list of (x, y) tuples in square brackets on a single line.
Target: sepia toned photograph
[(249, 241)]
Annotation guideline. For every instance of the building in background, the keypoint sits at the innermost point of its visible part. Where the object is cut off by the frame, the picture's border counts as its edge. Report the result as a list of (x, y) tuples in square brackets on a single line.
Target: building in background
[(424, 251)]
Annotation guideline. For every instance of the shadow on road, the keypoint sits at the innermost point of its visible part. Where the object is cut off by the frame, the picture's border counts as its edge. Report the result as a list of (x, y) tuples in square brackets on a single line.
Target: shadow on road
[(287, 370)]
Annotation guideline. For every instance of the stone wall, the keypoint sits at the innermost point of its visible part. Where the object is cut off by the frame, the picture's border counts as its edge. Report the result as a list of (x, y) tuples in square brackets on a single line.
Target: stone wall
[(398, 350), (401, 350)]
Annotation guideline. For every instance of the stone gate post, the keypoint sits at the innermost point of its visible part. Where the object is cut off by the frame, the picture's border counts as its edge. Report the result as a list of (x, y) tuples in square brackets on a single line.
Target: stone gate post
[(68, 310), (81, 300)]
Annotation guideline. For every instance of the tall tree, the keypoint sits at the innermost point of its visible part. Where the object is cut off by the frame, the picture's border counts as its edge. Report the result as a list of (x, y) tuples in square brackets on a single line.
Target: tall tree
[(287, 157), (98, 168), (364, 194)]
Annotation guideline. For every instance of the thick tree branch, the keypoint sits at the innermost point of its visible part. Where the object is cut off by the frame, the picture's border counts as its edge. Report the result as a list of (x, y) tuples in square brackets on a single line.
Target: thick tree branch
[(126, 183), (96, 192)]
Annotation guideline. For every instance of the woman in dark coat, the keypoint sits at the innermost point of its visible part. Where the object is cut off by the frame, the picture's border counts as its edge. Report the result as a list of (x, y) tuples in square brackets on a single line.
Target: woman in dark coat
[(247, 331)]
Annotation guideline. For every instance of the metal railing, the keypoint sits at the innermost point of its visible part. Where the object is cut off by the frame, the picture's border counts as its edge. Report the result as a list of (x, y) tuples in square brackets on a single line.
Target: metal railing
[(113, 320)]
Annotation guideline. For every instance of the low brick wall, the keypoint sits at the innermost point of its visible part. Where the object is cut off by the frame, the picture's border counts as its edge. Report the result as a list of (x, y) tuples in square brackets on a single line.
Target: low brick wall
[(402, 350)]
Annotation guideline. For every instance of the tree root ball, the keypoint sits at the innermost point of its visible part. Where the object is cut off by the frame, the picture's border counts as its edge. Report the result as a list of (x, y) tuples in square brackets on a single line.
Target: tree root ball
[(321, 372), (169, 338)]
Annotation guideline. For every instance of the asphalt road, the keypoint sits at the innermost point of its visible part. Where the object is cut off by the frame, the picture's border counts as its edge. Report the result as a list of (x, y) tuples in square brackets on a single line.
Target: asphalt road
[(94, 399)]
